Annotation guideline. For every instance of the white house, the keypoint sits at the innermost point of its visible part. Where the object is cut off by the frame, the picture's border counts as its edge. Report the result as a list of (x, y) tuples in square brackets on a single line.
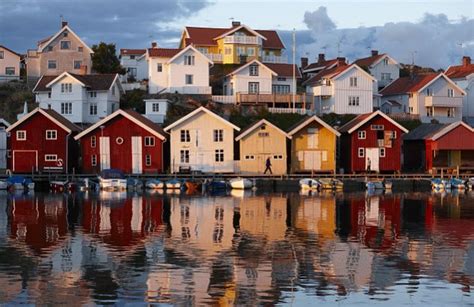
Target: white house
[(202, 141), (430, 96), (342, 89), (256, 77), (9, 64), (155, 110), (309, 70), (463, 76), (3, 143), (135, 63), (184, 71), (79, 98), (381, 66)]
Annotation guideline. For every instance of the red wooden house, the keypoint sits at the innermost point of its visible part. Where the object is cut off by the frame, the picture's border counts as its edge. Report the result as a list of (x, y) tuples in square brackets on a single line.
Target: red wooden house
[(371, 139), (42, 141), (124, 140), (439, 145)]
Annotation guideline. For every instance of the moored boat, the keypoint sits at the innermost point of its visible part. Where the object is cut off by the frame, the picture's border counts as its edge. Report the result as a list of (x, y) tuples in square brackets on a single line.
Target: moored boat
[(326, 183), (3, 185), (240, 183), (112, 179), (193, 185), (375, 185), (337, 184), (20, 183), (457, 183), (59, 186), (309, 184), (134, 184), (437, 184), (173, 184), (216, 185), (388, 185), (154, 184)]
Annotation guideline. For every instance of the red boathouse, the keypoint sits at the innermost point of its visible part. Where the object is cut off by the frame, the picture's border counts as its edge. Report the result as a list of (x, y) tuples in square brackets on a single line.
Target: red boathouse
[(42, 141), (371, 139), (124, 140)]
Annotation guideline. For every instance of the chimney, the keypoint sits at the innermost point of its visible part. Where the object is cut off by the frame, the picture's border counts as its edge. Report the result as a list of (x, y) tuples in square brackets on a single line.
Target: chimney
[(321, 58), (466, 60), (304, 62), (154, 45), (83, 70), (235, 24), (374, 52), (341, 61), (63, 24)]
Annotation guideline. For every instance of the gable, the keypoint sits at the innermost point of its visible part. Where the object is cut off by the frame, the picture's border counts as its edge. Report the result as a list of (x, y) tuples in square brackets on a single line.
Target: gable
[(352, 71), (440, 87), (190, 117), (59, 36), (451, 140)]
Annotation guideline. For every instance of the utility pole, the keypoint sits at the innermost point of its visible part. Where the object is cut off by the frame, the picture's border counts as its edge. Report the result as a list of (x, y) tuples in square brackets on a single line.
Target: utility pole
[(294, 69)]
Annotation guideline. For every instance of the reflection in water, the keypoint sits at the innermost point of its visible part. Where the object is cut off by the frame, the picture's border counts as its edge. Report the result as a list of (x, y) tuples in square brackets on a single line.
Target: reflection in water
[(238, 249)]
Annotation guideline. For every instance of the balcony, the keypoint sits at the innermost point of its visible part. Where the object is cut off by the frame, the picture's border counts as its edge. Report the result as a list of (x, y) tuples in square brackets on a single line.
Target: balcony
[(322, 90), (238, 39), (274, 59), (214, 57), (443, 101)]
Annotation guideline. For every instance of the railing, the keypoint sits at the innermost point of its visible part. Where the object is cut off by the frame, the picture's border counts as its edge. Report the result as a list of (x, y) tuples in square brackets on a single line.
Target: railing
[(6, 78), (32, 53), (237, 39), (290, 111), (443, 101), (225, 99), (404, 116), (215, 57), (197, 90), (246, 98), (275, 59), (322, 90)]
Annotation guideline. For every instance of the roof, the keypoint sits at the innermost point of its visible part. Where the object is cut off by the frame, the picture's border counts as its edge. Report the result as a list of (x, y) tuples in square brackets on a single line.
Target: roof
[(239, 68), (368, 61), (408, 84), (460, 71), (362, 119), (52, 38), (163, 52), (423, 132), (284, 70), (206, 37), (306, 120), (257, 124), (96, 82), (392, 102), (53, 116), (4, 122), (133, 116), (199, 110), (334, 72), (132, 51), (190, 47), (8, 49), (319, 65)]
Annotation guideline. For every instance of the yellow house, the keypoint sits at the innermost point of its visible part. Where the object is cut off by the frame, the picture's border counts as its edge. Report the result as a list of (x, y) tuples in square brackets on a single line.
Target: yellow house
[(313, 146), (259, 142), (236, 44)]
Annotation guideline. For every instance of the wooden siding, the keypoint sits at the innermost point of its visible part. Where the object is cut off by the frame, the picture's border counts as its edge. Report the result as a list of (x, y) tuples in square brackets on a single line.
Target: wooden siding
[(459, 138)]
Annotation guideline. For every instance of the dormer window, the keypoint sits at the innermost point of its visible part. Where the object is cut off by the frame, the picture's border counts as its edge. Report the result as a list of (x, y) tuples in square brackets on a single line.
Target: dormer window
[(353, 81), (385, 61), (253, 70), (450, 92), (189, 60), (66, 87), (65, 45), (429, 92)]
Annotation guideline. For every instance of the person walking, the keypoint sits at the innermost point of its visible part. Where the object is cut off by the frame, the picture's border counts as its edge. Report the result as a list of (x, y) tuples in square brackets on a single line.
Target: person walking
[(368, 165), (268, 166)]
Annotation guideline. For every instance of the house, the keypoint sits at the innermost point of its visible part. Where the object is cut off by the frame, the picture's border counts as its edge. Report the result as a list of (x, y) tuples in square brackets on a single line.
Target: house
[(42, 141), (381, 66), (62, 52), (429, 96), (313, 146), (463, 76), (135, 63), (374, 140), (155, 110), (309, 70), (185, 71), (79, 98), (124, 140), (259, 142), (9, 64), (342, 89), (439, 146), (202, 141), (235, 45), (3, 143)]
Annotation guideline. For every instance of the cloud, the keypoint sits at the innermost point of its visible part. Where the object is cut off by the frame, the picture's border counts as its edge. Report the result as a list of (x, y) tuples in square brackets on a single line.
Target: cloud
[(434, 41), (127, 23)]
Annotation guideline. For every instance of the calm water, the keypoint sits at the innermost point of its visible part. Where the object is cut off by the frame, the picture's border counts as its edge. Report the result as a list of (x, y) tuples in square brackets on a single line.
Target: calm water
[(238, 249)]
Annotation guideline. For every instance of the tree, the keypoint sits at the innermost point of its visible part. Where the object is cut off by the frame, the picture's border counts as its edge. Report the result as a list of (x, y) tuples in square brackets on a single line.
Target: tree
[(105, 60)]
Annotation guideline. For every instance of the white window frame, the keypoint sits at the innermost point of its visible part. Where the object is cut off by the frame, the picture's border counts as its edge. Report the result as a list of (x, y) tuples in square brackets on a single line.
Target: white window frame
[(19, 136), (159, 67), (50, 62), (361, 152), (93, 94), (254, 87), (93, 141), (218, 135), (66, 108), (51, 134), (450, 92), (189, 79), (66, 87), (377, 127), (50, 158), (382, 153), (354, 101), (149, 141), (394, 135), (219, 155), (362, 135), (155, 107), (189, 60), (94, 160), (184, 156), (93, 109), (147, 160), (353, 81), (185, 136), (253, 70)]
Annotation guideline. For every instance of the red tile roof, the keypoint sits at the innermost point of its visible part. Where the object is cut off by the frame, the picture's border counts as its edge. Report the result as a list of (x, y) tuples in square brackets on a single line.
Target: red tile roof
[(163, 52), (1, 46), (98, 82), (133, 51), (366, 62), (205, 37), (316, 65), (284, 70), (326, 73), (408, 84), (460, 71)]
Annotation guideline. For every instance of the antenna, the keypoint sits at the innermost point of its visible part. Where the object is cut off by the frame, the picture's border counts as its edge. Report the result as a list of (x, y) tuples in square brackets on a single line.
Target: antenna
[(413, 57)]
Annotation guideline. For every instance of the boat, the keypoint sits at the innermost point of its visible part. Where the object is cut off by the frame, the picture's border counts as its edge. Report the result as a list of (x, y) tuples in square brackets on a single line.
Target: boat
[(337, 184), (112, 179), (20, 183), (29, 184), (447, 184), (86, 184), (326, 183), (457, 183), (216, 185), (3, 185), (193, 185), (59, 186), (240, 183), (388, 185), (309, 184), (375, 185), (437, 184), (134, 184), (173, 184), (154, 184)]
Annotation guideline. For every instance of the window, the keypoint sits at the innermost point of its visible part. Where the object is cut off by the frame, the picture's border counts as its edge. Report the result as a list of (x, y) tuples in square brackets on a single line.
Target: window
[(386, 76), (251, 51), (189, 60), (281, 79), (132, 57), (219, 155), (66, 87), (354, 101), (21, 135), (240, 51), (184, 156), (227, 50), (155, 107), (278, 157), (119, 140), (202, 50), (93, 109), (382, 153), (249, 157), (148, 160), (80, 48), (94, 160), (50, 48), (50, 158), (450, 92), (394, 135), (149, 141), (189, 79), (360, 152), (92, 94), (353, 81), (65, 45), (113, 90), (361, 135), (159, 67), (51, 64), (377, 127), (385, 61), (254, 87), (2, 55), (218, 135), (429, 112), (253, 70), (9, 71), (93, 141), (313, 137), (51, 134), (49, 94), (66, 108), (77, 64), (280, 89), (450, 112), (429, 92), (185, 136), (263, 134), (132, 72)]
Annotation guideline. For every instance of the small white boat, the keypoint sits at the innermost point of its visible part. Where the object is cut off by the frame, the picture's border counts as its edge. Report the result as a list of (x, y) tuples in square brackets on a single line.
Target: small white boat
[(3, 185), (112, 179), (338, 184), (437, 184), (309, 184), (447, 184), (388, 185), (375, 185), (154, 184), (326, 183), (240, 183), (58, 186), (134, 184), (173, 184)]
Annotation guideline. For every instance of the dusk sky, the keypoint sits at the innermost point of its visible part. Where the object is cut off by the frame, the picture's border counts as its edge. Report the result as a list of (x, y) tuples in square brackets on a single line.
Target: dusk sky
[(434, 33)]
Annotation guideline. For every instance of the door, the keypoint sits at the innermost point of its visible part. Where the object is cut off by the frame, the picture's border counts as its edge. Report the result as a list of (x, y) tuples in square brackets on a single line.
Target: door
[(372, 155), (137, 154), (25, 161), (312, 160), (104, 151), (3, 148)]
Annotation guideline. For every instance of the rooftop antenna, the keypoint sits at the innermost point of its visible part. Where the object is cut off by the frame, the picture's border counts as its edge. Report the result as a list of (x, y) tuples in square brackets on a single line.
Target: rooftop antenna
[(62, 18), (462, 48), (294, 69)]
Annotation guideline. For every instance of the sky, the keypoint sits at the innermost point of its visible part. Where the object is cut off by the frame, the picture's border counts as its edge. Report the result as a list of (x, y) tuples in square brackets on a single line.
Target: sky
[(434, 33)]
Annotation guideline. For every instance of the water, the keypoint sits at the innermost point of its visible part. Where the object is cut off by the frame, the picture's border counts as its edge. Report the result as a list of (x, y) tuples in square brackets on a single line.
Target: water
[(238, 249)]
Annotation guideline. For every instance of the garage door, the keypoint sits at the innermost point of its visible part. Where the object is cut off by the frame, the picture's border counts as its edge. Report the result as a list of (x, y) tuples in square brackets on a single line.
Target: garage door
[(25, 161)]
